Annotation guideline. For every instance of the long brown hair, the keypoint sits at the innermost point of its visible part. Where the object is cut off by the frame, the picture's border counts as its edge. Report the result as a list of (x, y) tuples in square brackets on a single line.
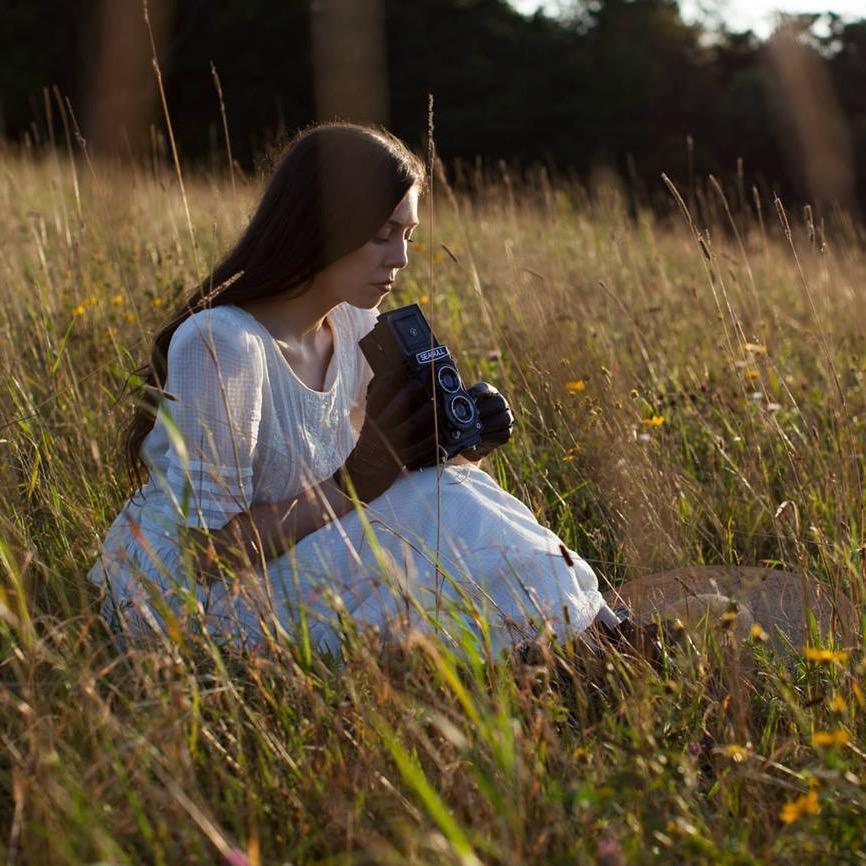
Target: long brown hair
[(334, 187)]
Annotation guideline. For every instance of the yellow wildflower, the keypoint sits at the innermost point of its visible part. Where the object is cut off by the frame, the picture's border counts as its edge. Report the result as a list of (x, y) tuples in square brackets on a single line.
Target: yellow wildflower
[(827, 739), (838, 704), (655, 421), (679, 826), (736, 753), (816, 654), (117, 300), (756, 348), (157, 302), (805, 805), (752, 373), (575, 386), (790, 812), (81, 309), (758, 633), (424, 299)]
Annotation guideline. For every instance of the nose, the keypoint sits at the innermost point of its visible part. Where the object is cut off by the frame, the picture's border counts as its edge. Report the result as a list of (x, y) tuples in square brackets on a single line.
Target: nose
[(397, 253)]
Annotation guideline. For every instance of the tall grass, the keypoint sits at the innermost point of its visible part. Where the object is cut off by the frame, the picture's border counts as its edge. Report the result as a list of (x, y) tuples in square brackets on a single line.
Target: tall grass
[(688, 389)]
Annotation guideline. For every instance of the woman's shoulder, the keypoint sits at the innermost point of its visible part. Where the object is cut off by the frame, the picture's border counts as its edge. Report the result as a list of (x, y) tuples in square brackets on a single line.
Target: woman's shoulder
[(219, 322)]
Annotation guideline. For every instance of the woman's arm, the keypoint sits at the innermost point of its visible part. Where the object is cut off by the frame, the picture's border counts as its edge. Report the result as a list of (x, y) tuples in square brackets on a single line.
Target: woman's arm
[(397, 432), (268, 530)]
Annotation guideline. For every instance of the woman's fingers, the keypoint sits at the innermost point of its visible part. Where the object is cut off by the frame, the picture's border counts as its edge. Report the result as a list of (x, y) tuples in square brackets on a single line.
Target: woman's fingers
[(492, 407), (491, 404), (497, 423), (481, 391)]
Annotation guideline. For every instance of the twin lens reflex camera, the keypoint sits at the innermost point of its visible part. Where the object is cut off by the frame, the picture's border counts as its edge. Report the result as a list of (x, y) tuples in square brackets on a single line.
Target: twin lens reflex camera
[(402, 341)]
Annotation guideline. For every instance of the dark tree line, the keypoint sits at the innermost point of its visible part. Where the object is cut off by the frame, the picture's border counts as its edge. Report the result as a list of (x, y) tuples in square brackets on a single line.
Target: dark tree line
[(624, 83)]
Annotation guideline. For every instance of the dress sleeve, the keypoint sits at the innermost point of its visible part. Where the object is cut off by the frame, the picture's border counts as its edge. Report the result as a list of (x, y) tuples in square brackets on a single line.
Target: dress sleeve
[(216, 375)]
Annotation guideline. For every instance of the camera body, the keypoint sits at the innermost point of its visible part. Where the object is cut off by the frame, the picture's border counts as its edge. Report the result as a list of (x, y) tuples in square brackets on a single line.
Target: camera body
[(402, 341)]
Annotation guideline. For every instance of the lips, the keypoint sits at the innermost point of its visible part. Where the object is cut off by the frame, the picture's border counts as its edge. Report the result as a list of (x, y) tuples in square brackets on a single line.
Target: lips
[(383, 287)]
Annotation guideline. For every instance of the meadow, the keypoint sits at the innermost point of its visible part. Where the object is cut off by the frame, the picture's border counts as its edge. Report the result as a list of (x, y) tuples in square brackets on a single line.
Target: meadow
[(688, 388)]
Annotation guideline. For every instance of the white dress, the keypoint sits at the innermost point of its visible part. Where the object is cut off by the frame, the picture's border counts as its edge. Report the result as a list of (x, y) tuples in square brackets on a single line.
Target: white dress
[(240, 428)]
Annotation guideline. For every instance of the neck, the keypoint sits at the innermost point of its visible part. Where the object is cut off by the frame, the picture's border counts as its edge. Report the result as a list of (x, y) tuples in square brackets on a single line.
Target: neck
[(296, 320)]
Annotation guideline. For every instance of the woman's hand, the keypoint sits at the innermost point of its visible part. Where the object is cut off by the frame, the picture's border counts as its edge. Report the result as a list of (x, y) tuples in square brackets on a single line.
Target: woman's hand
[(231, 549), (398, 432), (496, 418)]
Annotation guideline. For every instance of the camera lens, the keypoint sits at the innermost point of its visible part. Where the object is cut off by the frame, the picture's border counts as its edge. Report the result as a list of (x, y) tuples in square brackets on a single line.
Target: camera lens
[(448, 379), (462, 410)]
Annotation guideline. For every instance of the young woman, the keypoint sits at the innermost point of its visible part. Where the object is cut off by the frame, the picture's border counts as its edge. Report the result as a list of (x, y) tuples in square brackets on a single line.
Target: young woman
[(262, 435)]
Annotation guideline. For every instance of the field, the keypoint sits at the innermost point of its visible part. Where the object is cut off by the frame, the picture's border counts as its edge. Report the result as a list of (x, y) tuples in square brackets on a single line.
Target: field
[(685, 393)]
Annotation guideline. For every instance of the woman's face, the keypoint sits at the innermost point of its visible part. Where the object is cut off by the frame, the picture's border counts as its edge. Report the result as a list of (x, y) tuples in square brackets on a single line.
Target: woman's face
[(363, 277)]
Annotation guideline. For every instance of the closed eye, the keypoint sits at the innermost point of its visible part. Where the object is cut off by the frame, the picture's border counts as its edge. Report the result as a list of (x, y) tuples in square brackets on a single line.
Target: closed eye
[(409, 239), (394, 225)]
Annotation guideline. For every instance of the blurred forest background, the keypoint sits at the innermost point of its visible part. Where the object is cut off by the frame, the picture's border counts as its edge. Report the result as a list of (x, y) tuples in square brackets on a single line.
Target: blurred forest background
[(624, 84)]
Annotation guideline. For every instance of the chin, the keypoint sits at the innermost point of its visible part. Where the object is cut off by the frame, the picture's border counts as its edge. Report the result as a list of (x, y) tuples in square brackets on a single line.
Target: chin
[(365, 304)]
